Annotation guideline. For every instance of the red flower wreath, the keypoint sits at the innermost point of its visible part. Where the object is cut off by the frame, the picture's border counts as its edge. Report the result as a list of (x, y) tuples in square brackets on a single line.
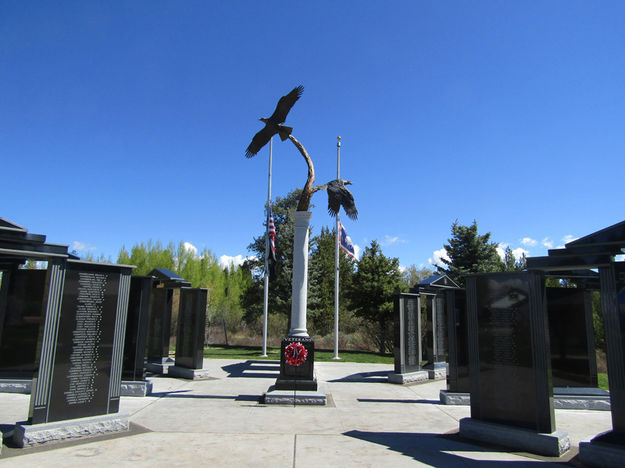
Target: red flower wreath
[(295, 354)]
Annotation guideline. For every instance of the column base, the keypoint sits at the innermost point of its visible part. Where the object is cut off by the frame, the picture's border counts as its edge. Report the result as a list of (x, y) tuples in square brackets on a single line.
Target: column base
[(553, 445)]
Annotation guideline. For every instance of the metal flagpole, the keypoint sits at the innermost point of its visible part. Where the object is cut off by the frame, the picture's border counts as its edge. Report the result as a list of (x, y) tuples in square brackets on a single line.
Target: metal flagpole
[(266, 294), (336, 259)]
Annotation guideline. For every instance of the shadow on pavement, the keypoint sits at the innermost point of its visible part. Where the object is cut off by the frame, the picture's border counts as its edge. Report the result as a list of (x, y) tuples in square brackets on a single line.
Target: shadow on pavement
[(435, 450), (254, 369), (365, 377)]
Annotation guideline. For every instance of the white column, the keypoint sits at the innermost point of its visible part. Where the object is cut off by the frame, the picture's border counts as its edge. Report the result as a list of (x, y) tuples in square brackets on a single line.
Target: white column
[(299, 293)]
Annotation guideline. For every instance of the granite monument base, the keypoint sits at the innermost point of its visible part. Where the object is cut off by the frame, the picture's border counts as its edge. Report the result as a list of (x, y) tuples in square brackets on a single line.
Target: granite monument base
[(159, 367), (31, 435), (454, 398), (297, 357), (16, 385), (595, 399), (554, 444), (136, 388), (607, 450), (409, 377), (191, 374), (584, 398), (295, 397), (437, 371)]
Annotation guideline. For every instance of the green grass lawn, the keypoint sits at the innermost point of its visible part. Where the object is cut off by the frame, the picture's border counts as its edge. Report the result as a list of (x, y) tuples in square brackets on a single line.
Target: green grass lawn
[(273, 353), (603, 380)]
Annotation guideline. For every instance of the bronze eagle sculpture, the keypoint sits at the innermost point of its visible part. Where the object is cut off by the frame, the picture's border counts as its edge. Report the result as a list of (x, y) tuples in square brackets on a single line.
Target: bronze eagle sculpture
[(339, 195), (273, 124)]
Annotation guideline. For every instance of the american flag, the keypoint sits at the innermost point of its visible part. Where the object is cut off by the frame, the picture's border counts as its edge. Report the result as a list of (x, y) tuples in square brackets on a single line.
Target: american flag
[(346, 242), (272, 235)]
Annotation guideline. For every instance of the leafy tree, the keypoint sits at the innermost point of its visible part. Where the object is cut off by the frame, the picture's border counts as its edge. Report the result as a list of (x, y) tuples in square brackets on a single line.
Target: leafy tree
[(204, 271), (226, 307), (371, 294), (322, 283), (414, 275), (469, 252)]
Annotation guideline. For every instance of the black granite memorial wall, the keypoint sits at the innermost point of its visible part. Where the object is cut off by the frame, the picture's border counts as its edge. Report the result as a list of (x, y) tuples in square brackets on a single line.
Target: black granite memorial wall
[(137, 328), (458, 372), (159, 324), (573, 359), (191, 328), (20, 319), (80, 365), (509, 363), (407, 327)]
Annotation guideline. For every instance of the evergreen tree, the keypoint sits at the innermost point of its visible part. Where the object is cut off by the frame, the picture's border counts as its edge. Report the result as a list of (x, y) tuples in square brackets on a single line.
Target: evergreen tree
[(280, 284), (371, 294), (469, 252), (322, 280)]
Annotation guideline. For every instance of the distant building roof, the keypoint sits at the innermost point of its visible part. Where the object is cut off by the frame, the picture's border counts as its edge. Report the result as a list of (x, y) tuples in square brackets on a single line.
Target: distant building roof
[(169, 277), (435, 282)]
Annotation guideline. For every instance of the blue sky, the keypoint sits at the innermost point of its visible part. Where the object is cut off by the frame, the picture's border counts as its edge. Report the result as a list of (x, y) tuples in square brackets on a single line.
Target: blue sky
[(123, 122)]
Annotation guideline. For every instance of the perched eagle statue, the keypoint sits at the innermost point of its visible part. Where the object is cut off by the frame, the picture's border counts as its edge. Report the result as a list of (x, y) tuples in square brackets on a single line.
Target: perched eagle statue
[(274, 123)]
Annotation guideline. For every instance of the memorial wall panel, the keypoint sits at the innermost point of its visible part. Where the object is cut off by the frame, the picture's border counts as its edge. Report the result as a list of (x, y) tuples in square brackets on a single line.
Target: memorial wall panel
[(82, 346), (573, 359), (511, 336), (159, 324), (191, 328), (137, 328), (23, 315)]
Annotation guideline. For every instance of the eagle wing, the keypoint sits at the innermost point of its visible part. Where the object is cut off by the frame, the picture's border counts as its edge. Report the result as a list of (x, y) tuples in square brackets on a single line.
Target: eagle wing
[(339, 195), (284, 105), (259, 140)]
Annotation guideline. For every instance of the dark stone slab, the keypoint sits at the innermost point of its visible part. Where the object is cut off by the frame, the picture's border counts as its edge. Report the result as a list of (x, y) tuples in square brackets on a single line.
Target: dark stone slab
[(297, 377), (509, 363), (612, 280), (137, 328), (607, 450), (191, 328), (20, 318), (573, 360), (407, 331), (458, 370), (80, 364), (159, 324)]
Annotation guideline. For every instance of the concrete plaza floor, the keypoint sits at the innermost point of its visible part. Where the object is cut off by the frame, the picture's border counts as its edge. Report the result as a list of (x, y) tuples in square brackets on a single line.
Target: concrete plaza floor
[(220, 423)]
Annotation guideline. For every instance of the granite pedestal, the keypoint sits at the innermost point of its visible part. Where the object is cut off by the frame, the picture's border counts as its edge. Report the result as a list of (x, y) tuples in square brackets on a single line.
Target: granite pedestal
[(554, 444), (136, 388), (409, 377), (30, 435)]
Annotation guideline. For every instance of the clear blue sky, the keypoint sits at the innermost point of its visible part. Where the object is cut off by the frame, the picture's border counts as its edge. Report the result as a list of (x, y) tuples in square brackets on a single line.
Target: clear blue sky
[(123, 122)]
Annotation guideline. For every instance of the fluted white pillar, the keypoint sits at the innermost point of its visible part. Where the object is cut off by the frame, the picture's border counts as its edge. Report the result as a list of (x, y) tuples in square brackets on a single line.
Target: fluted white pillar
[(299, 292)]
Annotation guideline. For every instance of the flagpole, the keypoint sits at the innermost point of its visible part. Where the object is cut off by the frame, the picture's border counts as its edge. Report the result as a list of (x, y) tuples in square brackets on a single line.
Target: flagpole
[(336, 259), (266, 291)]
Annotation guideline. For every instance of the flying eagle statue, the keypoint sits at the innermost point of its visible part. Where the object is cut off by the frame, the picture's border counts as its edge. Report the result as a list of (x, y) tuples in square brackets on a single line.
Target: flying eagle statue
[(274, 123), (339, 195)]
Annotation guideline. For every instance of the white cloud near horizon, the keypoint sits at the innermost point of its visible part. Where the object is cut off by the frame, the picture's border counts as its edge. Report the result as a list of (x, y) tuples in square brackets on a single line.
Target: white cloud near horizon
[(189, 246), (547, 243), (569, 238), (390, 240), (528, 241), (227, 261), (437, 256), (82, 247)]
